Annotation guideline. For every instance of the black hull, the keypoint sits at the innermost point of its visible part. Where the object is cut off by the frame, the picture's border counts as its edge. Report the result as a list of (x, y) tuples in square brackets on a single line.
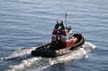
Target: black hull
[(45, 51)]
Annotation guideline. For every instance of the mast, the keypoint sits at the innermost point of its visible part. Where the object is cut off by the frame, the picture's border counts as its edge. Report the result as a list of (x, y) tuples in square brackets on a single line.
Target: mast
[(65, 20)]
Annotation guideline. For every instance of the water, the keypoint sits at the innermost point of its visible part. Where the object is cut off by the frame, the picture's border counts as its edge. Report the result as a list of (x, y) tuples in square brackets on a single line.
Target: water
[(26, 24)]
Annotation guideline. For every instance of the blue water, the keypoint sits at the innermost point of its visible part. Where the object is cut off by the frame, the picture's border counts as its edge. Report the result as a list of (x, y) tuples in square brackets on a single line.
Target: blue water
[(29, 23)]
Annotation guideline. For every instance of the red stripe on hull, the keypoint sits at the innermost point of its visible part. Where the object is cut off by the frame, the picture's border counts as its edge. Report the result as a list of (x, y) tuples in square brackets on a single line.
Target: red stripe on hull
[(66, 44)]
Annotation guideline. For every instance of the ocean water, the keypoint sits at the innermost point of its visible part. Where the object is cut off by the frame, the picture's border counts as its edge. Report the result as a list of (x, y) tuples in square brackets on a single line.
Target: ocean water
[(26, 24)]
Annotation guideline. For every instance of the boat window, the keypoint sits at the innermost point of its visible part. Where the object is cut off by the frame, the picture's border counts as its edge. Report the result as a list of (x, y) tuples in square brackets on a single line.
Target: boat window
[(63, 38), (70, 37)]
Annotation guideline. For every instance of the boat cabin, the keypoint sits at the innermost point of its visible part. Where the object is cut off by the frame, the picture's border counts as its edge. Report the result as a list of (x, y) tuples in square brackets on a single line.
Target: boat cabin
[(62, 36)]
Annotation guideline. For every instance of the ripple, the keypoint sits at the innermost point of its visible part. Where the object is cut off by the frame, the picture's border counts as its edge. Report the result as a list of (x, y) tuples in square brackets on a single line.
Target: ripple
[(28, 23)]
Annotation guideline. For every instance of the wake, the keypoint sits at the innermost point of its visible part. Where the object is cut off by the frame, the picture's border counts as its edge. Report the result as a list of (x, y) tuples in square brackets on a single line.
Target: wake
[(75, 54), (22, 59), (18, 54)]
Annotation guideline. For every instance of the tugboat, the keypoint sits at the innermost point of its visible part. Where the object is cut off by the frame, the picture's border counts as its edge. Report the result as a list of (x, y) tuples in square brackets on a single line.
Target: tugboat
[(63, 41)]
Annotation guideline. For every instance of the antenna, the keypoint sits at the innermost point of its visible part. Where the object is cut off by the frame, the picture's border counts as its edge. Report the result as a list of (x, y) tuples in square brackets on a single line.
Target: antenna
[(65, 19)]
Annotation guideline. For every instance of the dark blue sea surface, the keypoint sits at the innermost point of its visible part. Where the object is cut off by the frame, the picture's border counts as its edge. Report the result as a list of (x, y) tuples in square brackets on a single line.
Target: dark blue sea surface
[(25, 24)]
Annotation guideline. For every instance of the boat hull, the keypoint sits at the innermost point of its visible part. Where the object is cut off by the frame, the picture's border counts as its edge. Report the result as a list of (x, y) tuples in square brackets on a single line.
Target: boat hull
[(46, 51)]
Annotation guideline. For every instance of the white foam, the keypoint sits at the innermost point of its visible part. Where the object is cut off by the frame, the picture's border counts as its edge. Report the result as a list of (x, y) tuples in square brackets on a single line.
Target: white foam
[(22, 55), (76, 54), (41, 68), (24, 64), (90, 45), (19, 53), (27, 62)]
